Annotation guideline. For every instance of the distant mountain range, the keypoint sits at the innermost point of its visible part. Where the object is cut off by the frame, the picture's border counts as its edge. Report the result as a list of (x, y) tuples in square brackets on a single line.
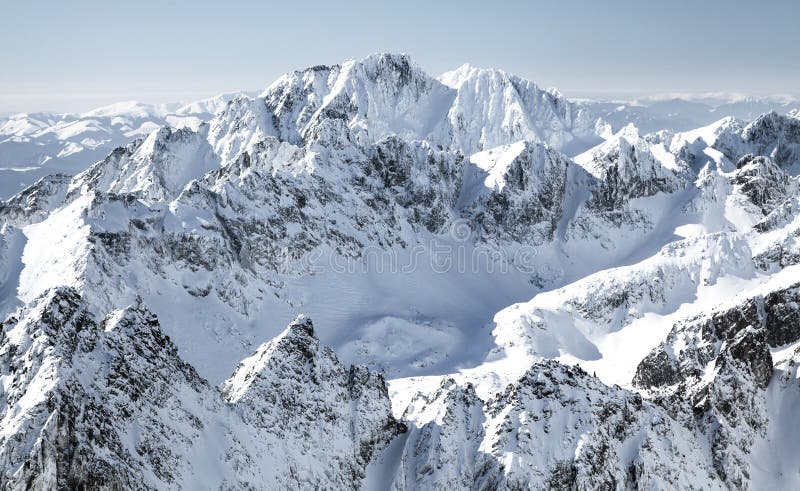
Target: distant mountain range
[(682, 113)]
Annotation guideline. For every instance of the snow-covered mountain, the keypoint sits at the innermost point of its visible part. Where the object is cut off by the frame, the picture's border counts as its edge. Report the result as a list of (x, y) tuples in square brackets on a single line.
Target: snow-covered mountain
[(683, 112), (469, 109), (33, 145), (111, 404), (513, 295)]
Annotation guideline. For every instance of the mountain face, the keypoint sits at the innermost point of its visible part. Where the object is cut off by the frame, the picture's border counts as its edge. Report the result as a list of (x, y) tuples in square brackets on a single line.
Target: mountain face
[(722, 368), (34, 145), (555, 428), (362, 102), (111, 404), (514, 296), (493, 108)]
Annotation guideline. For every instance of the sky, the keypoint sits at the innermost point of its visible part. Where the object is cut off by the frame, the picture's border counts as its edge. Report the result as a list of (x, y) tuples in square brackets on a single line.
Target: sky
[(73, 56)]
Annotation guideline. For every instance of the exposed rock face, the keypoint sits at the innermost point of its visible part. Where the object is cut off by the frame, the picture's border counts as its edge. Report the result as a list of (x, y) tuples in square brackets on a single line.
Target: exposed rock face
[(629, 167), (153, 168), (733, 407), (294, 386), (777, 136), (33, 204), (771, 320), (783, 230), (783, 316), (96, 405), (522, 196), (606, 437), (722, 364), (442, 449), (622, 170), (763, 182), (772, 135), (112, 405), (693, 358)]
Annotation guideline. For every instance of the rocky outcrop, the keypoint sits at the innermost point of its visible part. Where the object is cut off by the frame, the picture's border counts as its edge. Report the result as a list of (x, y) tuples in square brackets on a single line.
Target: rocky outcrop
[(155, 168), (772, 320), (34, 203), (772, 135), (721, 363), (294, 386), (777, 136), (445, 434), (515, 194), (763, 182), (628, 167), (93, 405), (111, 405), (606, 437)]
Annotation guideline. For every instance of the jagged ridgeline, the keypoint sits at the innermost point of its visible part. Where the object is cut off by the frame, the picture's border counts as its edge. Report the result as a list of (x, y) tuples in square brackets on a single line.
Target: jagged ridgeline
[(111, 404), (516, 295)]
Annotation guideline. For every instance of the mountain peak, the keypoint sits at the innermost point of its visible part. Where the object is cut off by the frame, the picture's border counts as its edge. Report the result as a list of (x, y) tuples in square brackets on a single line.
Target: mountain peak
[(381, 58), (126, 108), (303, 326), (456, 78), (156, 167), (630, 132)]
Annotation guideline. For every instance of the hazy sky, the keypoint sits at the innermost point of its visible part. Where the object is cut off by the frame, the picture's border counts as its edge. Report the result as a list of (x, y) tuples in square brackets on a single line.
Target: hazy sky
[(75, 55)]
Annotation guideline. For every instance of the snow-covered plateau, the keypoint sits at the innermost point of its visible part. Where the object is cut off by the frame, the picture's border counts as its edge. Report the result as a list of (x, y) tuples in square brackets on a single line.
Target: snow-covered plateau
[(509, 290)]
